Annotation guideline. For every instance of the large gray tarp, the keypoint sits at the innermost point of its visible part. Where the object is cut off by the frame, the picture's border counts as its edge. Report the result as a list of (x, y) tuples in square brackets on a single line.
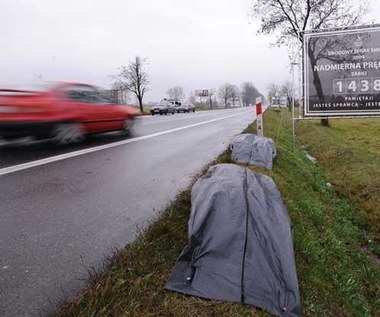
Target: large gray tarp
[(252, 149), (240, 243)]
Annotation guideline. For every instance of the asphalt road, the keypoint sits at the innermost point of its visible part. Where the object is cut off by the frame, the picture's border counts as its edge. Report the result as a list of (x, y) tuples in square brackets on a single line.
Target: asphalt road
[(63, 210)]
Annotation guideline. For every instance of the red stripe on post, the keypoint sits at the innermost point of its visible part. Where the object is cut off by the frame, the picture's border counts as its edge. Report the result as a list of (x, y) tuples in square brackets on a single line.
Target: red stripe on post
[(259, 108)]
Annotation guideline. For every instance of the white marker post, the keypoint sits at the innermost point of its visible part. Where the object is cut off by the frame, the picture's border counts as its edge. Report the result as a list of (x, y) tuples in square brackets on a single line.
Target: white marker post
[(259, 117)]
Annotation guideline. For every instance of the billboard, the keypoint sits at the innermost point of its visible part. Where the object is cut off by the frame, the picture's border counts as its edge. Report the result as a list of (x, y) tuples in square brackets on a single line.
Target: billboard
[(202, 93), (342, 72)]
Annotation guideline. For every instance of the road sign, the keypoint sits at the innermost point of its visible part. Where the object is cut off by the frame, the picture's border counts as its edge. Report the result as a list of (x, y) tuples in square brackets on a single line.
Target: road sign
[(342, 72)]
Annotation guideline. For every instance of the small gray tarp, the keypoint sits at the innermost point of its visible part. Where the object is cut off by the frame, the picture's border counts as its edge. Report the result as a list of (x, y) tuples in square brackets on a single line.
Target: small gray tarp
[(252, 149), (240, 243)]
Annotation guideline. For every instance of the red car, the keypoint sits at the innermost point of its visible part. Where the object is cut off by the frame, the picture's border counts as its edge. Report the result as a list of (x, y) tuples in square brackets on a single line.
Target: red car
[(64, 113)]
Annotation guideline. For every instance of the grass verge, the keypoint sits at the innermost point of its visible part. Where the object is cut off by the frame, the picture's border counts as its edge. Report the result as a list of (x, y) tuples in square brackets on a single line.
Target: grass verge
[(350, 152), (336, 275)]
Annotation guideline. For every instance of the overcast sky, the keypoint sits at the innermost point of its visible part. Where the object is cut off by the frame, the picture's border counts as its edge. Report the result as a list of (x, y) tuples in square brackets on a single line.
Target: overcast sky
[(196, 44)]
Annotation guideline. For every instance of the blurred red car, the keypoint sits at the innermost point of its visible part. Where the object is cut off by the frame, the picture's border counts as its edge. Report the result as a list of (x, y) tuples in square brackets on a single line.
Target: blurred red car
[(63, 112)]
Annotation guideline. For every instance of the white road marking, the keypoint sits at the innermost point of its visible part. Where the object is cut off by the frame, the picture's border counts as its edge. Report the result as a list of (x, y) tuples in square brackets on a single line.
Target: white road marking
[(20, 167)]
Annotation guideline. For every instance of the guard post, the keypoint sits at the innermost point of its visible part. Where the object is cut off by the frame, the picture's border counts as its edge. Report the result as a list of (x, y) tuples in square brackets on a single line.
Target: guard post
[(259, 117)]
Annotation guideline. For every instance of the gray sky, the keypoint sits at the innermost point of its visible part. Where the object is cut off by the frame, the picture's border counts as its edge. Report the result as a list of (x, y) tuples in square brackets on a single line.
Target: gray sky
[(195, 44)]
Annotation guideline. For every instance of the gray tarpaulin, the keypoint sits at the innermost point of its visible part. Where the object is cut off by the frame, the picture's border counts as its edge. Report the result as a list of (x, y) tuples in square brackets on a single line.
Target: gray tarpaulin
[(240, 243), (252, 149)]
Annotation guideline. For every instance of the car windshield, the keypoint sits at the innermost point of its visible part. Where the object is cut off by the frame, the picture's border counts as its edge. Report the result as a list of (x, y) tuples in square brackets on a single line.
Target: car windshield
[(106, 96)]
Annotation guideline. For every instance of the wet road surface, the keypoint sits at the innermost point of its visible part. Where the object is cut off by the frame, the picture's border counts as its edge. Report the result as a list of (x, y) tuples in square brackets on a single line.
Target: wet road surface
[(63, 210)]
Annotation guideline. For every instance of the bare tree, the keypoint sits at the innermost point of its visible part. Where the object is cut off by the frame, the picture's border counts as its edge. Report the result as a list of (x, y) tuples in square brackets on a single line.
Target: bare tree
[(290, 18), (235, 94), (177, 93), (192, 97), (287, 92), (225, 92), (249, 93), (274, 91), (134, 78)]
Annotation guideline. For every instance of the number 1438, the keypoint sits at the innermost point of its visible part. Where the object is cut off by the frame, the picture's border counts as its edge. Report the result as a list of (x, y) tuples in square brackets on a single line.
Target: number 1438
[(355, 86)]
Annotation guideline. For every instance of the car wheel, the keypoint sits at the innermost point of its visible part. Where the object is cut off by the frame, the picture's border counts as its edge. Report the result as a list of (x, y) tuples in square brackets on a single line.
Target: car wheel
[(67, 133), (152, 113), (128, 126)]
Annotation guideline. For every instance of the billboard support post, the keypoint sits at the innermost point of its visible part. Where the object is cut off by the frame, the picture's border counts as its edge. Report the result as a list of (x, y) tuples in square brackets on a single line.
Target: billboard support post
[(293, 108), (294, 61)]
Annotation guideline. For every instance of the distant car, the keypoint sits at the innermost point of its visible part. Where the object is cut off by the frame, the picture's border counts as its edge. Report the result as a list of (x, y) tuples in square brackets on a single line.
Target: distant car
[(62, 112), (185, 108), (159, 109), (191, 108), (171, 108), (278, 103), (162, 109)]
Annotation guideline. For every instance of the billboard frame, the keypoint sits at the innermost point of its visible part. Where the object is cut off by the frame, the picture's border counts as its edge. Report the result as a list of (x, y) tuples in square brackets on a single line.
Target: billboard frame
[(306, 35)]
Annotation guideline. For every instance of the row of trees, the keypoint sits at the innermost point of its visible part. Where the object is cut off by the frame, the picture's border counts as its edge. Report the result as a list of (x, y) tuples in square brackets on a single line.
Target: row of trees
[(231, 93), (228, 94), (134, 78)]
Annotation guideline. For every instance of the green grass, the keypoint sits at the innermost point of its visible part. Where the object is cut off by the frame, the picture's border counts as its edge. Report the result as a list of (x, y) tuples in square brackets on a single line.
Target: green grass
[(329, 235), (335, 262), (350, 152)]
